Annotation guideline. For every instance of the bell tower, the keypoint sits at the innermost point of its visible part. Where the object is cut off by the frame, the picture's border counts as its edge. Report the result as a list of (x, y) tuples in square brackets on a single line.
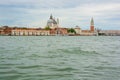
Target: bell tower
[(92, 25)]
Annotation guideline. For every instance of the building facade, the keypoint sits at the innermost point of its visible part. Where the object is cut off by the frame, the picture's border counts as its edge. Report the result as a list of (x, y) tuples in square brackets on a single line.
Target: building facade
[(55, 28), (77, 30), (5, 30), (30, 32), (110, 32)]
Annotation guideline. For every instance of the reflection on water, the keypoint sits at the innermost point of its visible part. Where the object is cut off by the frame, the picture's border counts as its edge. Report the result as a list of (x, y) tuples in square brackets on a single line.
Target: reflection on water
[(59, 58)]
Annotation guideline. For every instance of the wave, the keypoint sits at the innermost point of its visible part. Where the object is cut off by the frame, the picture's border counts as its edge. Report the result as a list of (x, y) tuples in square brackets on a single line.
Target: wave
[(73, 51)]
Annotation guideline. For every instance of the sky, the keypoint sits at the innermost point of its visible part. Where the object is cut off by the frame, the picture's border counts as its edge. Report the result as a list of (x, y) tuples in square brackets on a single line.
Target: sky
[(71, 13)]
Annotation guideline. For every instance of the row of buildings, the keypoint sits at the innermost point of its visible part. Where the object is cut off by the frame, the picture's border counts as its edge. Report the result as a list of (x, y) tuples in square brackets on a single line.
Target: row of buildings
[(109, 32), (53, 28), (31, 31)]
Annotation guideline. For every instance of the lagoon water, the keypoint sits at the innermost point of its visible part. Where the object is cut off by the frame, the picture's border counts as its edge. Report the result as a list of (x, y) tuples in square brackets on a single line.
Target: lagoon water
[(59, 58)]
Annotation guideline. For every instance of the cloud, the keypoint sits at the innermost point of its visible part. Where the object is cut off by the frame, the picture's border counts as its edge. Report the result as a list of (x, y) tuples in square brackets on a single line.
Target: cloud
[(71, 13)]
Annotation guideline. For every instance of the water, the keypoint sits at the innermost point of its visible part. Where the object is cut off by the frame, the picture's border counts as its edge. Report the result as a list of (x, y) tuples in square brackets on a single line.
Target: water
[(59, 58)]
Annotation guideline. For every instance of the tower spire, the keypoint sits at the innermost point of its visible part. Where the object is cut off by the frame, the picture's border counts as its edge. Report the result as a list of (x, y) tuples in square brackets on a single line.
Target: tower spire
[(92, 22), (51, 17)]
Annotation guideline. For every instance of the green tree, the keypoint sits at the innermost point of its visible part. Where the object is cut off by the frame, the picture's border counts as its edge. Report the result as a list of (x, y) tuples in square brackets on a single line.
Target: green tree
[(47, 28), (71, 30)]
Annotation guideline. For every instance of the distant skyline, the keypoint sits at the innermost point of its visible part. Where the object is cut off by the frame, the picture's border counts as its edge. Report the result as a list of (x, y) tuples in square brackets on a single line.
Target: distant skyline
[(35, 13)]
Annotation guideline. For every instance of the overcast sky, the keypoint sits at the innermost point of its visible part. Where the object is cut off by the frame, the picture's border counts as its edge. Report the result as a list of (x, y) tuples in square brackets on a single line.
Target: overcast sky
[(35, 13)]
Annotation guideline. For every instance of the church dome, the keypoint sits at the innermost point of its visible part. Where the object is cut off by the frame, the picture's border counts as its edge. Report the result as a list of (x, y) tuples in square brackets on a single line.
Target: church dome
[(54, 22), (50, 21)]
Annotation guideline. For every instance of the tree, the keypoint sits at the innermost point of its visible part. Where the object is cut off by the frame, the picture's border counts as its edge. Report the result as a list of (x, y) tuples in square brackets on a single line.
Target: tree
[(47, 28), (71, 30)]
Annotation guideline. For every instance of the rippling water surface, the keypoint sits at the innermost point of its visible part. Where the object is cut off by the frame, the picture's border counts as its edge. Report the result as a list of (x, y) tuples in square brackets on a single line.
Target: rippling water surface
[(59, 58)]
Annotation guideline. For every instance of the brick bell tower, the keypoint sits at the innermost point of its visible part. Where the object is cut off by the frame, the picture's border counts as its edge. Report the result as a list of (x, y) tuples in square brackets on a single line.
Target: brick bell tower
[(92, 25)]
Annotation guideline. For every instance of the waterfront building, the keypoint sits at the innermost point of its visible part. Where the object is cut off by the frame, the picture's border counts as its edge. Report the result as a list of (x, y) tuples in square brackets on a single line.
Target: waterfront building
[(30, 32), (77, 30), (1, 31), (52, 23), (59, 31), (5, 30), (110, 32), (55, 28)]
